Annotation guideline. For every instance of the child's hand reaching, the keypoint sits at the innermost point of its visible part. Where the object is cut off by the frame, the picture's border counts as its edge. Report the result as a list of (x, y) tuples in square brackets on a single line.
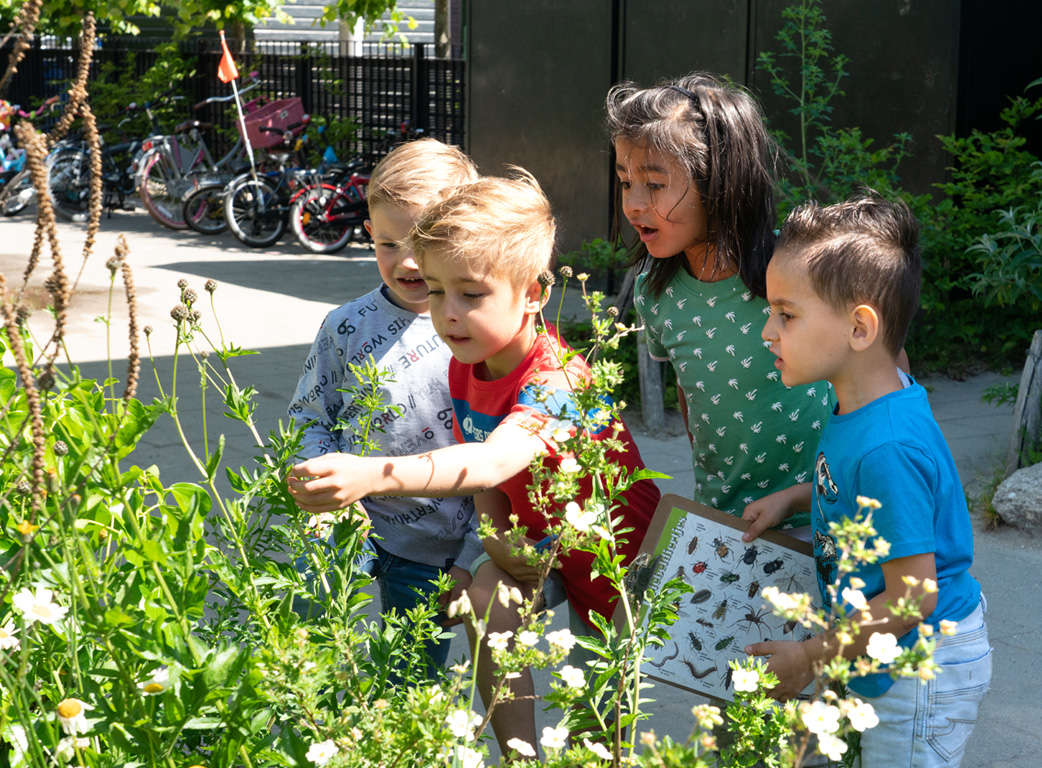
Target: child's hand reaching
[(502, 554), (328, 483), (790, 661), (775, 509)]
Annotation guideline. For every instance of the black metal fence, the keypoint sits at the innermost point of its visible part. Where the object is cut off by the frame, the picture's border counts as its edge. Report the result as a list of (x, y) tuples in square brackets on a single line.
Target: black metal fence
[(384, 90)]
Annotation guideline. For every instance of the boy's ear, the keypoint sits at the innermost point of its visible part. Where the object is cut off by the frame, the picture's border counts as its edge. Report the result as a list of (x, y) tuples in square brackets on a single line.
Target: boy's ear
[(536, 297), (865, 327), (368, 227)]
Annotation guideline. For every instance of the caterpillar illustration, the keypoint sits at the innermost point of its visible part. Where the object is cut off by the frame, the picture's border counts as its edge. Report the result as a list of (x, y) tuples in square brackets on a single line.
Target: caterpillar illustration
[(695, 673)]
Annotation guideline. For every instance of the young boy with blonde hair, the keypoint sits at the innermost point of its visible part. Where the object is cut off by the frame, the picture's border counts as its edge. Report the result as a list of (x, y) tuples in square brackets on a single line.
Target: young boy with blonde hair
[(482, 251), (843, 286), (416, 539)]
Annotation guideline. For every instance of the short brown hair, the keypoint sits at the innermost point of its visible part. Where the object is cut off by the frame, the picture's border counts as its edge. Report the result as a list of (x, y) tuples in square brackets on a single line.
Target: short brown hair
[(413, 174), (503, 226), (863, 251)]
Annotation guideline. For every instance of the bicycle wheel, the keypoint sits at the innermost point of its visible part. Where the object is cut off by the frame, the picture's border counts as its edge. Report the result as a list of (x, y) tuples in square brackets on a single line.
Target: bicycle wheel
[(318, 220), (68, 181), (203, 209), (253, 213), (17, 194), (162, 187)]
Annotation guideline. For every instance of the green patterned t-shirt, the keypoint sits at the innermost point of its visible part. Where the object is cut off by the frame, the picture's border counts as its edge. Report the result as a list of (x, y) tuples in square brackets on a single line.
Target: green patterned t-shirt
[(752, 434)]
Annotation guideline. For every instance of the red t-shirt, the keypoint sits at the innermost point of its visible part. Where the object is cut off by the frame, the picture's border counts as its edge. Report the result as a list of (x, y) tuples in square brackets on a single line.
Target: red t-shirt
[(533, 395)]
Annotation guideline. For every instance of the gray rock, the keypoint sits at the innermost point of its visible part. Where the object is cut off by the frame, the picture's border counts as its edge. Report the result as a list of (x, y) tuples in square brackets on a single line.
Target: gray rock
[(1018, 499)]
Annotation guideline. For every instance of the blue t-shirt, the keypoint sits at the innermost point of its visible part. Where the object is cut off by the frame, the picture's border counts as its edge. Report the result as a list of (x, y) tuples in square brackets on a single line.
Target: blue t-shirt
[(893, 451)]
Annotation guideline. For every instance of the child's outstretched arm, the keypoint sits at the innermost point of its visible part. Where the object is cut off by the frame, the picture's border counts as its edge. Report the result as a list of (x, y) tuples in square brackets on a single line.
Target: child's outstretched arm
[(775, 508), (794, 662), (336, 480)]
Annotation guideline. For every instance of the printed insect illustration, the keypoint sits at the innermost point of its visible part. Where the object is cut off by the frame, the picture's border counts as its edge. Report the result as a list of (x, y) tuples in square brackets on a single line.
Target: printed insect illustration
[(695, 642), (662, 662), (792, 582), (751, 553), (727, 678), (729, 578), (692, 545), (694, 671), (721, 644), (701, 596), (789, 626), (773, 566), (680, 574), (722, 550), (754, 588), (706, 624), (721, 609), (754, 618), (699, 567)]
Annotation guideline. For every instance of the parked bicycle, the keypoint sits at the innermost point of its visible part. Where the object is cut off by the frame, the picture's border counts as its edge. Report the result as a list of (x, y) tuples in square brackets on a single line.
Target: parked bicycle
[(326, 217), (16, 186), (175, 165), (69, 173)]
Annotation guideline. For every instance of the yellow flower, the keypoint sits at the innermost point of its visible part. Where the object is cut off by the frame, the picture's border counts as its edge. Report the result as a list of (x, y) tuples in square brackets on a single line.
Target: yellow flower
[(26, 528)]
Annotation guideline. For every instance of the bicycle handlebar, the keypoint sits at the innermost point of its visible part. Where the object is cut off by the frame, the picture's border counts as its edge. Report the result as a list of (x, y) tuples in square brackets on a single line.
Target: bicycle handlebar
[(254, 76)]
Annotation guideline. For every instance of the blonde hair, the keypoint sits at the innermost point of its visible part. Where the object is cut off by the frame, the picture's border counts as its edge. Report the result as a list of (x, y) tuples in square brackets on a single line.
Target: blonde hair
[(413, 174), (500, 227)]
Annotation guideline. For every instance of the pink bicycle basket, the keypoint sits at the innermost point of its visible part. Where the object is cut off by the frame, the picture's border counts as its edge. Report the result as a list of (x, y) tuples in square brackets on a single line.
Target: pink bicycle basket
[(275, 114)]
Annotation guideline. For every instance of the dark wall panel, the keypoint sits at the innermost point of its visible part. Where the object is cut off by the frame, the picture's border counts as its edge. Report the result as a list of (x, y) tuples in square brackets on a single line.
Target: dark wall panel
[(539, 71), (903, 73), (664, 40)]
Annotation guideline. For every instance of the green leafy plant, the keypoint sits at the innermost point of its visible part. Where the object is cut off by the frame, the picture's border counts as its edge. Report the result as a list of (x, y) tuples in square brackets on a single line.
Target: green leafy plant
[(827, 163)]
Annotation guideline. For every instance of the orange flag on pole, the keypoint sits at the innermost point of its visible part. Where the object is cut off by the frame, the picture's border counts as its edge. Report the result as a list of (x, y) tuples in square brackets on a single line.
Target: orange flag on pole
[(226, 70)]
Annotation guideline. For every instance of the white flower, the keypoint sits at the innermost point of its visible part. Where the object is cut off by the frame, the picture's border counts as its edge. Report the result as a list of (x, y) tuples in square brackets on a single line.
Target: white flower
[(8, 641), (855, 598), (579, 518), (597, 749), (780, 600), (862, 716), (745, 680), (39, 606), (573, 677), (569, 466), (72, 714), (462, 724), (831, 746), (522, 747), (948, 628), (883, 647), (562, 431), (515, 595), (503, 594), (67, 746), (554, 738), (498, 641), (158, 683), (561, 638), (323, 752), (468, 757), (867, 501), (821, 718), (528, 638), (460, 606)]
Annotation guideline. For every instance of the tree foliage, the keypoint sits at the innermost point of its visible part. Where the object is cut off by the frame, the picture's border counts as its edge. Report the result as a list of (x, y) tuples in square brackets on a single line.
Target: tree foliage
[(64, 17)]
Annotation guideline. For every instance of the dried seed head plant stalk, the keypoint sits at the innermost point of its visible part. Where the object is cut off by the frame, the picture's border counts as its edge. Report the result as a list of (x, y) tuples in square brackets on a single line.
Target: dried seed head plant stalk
[(24, 25), (134, 358)]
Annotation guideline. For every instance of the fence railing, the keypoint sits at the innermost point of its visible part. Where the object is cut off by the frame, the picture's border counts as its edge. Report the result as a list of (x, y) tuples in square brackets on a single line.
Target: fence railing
[(381, 90)]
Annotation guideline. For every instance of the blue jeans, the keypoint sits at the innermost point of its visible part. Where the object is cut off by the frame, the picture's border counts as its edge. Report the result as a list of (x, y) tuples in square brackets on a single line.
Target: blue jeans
[(927, 725), (404, 584)]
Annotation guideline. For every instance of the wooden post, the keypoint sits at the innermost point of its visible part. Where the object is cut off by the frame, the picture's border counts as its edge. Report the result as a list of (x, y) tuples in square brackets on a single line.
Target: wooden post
[(1027, 415)]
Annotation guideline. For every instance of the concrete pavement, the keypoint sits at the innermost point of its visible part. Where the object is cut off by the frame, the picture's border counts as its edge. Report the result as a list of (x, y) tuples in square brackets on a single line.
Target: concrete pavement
[(272, 301)]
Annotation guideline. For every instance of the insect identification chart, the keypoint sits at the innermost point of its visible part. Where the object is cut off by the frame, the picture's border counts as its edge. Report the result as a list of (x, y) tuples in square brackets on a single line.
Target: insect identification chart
[(725, 612)]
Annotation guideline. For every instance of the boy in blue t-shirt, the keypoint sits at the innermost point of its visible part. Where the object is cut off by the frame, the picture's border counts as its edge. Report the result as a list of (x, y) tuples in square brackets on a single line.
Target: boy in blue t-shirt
[(843, 286)]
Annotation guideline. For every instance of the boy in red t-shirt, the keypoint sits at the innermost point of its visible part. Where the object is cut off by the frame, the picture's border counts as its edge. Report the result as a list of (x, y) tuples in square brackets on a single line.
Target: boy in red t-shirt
[(482, 250)]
